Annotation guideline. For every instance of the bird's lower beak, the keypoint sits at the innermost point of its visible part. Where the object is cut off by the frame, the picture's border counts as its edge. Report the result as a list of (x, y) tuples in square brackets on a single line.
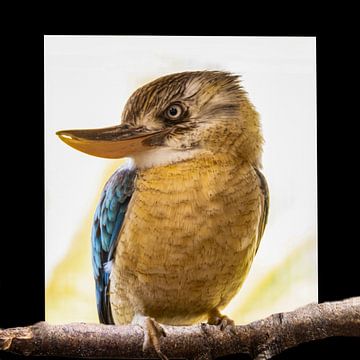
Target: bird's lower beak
[(113, 142)]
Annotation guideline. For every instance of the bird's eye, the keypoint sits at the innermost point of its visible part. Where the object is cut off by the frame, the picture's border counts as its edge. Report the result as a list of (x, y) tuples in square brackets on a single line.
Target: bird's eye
[(174, 111)]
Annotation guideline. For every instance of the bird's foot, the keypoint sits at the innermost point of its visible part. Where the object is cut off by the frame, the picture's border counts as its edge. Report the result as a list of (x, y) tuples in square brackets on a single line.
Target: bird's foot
[(221, 321), (152, 333)]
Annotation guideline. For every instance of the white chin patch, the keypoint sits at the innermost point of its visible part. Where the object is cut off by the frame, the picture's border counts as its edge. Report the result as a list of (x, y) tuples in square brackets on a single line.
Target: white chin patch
[(163, 156)]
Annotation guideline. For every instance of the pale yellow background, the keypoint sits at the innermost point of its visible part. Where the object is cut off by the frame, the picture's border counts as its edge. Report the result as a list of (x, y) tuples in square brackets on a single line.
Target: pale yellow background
[(87, 82)]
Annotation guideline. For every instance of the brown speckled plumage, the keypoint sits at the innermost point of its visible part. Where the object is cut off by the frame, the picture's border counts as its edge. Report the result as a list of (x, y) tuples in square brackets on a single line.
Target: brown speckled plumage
[(188, 240)]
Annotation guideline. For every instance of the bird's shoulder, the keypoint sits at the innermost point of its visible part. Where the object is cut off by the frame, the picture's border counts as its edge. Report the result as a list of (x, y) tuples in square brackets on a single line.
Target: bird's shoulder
[(108, 220)]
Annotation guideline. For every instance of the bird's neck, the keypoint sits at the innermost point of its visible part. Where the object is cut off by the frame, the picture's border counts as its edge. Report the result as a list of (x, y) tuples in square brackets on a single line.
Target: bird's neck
[(164, 156), (199, 163)]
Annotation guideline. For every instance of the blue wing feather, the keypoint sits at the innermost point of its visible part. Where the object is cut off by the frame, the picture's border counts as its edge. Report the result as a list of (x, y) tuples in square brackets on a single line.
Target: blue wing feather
[(108, 219)]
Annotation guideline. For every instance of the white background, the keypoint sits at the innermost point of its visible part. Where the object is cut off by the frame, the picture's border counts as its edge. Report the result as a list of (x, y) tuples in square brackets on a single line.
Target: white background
[(88, 80)]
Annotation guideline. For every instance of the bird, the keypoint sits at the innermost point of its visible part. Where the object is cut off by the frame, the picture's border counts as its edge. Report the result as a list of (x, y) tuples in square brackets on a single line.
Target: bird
[(179, 222)]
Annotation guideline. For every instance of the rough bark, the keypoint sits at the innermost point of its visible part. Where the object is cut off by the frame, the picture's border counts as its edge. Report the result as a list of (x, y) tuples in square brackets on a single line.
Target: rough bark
[(261, 339)]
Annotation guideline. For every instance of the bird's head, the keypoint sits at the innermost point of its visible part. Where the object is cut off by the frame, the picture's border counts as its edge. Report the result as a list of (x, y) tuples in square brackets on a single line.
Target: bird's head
[(174, 118)]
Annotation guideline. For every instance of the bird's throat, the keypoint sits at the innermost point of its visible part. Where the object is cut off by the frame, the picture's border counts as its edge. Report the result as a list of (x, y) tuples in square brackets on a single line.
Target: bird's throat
[(164, 156)]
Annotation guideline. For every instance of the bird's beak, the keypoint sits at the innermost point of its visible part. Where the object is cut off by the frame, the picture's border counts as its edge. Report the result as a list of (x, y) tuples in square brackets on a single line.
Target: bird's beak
[(112, 142)]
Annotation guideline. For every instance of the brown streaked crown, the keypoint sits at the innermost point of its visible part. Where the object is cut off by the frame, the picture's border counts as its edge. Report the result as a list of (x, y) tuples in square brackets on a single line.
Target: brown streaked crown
[(195, 87)]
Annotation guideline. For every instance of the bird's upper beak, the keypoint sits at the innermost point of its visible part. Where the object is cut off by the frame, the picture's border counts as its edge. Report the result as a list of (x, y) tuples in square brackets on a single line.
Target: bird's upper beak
[(112, 142)]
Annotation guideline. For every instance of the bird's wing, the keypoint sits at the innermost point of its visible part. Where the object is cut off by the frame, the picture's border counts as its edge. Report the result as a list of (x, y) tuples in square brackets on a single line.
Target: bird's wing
[(108, 219), (265, 200)]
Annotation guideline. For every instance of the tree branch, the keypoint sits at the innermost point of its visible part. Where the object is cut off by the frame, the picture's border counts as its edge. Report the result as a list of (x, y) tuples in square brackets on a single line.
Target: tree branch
[(261, 339)]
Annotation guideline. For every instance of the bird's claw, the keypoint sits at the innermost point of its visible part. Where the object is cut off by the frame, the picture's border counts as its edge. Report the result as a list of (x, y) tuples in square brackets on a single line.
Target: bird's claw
[(222, 322), (152, 333)]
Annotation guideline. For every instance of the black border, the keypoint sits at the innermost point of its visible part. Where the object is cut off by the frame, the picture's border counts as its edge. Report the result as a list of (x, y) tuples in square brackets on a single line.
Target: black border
[(22, 254)]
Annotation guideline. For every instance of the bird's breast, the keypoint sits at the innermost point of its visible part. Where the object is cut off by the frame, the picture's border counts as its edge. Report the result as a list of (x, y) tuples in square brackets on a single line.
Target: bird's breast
[(188, 238)]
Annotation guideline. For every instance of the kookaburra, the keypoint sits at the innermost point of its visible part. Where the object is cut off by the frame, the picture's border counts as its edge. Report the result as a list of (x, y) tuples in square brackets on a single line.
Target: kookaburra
[(179, 223)]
